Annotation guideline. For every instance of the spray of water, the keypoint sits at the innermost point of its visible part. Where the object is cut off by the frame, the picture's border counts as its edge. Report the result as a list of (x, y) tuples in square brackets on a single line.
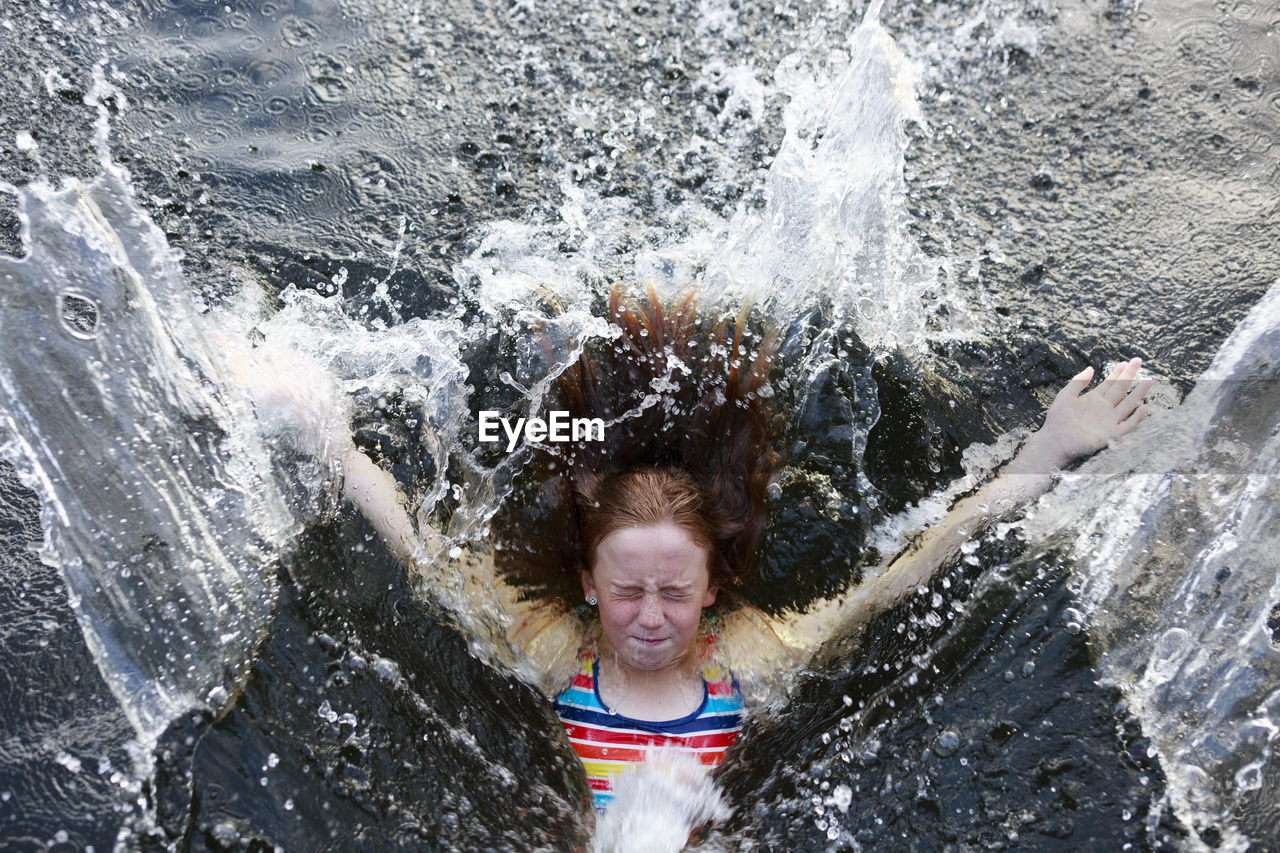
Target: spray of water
[(1173, 532), (658, 805), (159, 506)]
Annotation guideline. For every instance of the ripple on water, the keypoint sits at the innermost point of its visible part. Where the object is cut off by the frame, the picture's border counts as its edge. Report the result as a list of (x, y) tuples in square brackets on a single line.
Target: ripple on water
[(193, 81), (226, 77), (214, 110), (214, 136), (327, 91), (248, 101), (266, 72), (1243, 10), (299, 32), (1205, 42), (205, 26)]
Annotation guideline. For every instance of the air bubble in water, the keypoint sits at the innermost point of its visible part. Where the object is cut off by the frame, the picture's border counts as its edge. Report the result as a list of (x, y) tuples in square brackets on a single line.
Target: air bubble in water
[(946, 744), (1249, 777), (1073, 620)]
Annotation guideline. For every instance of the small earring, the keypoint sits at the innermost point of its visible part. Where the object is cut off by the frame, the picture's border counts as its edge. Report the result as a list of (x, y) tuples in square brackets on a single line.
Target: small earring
[(592, 601)]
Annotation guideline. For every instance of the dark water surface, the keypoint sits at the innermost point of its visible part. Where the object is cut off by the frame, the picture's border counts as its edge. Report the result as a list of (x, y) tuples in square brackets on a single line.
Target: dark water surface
[(1088, 181)]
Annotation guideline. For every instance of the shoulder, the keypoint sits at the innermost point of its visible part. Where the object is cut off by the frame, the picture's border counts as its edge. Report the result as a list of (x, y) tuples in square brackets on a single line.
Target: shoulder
[(558, 646), (724, 692), (580, 686), (746, 653)]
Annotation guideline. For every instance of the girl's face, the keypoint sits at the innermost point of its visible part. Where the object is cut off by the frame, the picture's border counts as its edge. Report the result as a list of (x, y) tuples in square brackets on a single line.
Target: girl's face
[(651, 584)]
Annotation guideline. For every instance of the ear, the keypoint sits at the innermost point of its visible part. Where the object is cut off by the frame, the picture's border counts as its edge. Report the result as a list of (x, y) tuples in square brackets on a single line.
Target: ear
[(709, 597), (588, 583)]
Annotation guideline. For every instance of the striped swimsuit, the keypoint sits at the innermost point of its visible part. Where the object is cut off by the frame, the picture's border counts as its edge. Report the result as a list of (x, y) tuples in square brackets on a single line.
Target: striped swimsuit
[(608, 743)]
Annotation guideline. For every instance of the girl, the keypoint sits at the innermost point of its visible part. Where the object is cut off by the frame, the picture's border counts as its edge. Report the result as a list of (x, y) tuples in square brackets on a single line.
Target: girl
[(657, 520)]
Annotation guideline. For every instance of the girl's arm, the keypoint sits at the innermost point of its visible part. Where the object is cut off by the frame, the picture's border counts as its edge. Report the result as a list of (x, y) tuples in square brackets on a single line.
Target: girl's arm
[(1077, 424), (317, 420), (540, 639)]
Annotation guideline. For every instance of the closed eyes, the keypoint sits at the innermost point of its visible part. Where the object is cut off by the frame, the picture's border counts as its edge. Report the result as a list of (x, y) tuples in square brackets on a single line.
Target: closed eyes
[(680, 594)]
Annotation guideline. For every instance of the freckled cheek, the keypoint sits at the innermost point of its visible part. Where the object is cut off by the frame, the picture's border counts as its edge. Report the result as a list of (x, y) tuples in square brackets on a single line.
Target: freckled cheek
[(621, 613), (686, 616)]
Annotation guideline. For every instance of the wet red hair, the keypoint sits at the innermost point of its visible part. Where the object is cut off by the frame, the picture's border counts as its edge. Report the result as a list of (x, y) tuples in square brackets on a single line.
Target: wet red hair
[(643, 497), (689, 439)]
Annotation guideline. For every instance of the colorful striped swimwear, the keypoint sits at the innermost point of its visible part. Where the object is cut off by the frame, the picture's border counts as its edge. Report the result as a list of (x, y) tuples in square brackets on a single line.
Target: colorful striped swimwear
[(608, 743)]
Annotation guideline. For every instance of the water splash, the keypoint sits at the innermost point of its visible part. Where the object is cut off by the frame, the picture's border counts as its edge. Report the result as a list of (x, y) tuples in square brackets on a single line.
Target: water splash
[(834, 229), (158, 504), (657, 805), (833, 232), (1175, 532)]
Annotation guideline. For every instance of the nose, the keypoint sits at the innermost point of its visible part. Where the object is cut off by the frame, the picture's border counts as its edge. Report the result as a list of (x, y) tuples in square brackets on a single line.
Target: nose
[(651, 615)]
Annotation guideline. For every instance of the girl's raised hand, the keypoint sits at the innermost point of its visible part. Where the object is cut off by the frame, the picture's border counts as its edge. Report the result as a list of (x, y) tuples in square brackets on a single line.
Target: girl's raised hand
[(1080, 423)]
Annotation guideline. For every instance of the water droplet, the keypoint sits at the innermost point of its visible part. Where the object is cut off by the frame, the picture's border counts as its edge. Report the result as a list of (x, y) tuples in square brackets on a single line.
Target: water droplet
[(226, 834), (946, 744), (841, 797)]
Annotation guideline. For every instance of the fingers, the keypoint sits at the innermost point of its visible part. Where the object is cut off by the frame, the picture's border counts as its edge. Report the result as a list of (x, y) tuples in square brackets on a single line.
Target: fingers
[(1127, 426), (1133, 399), (1116, 385), (1078, 383)]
